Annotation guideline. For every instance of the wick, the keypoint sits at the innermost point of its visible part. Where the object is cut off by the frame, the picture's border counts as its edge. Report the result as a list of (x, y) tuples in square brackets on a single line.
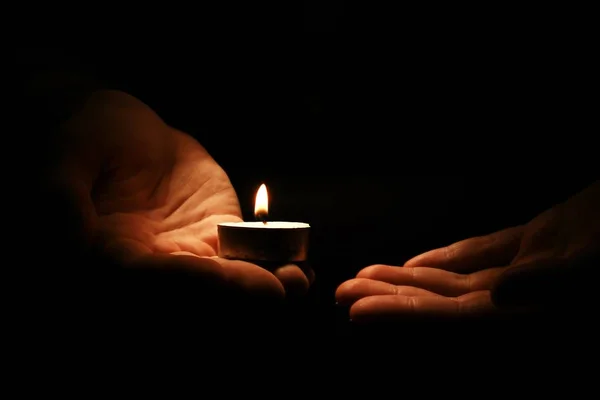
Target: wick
[(262, 216)]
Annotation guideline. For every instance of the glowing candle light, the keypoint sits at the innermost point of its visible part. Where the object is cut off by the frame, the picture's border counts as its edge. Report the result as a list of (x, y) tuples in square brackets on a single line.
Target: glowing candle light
[(264, 240)]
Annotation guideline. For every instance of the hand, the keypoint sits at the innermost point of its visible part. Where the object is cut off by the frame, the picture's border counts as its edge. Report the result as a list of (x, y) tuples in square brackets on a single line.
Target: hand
[(549, 262), (148, 197)]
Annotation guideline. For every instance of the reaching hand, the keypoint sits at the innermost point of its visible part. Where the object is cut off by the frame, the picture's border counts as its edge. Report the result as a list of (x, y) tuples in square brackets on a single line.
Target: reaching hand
[(149, 197), (546, 263)]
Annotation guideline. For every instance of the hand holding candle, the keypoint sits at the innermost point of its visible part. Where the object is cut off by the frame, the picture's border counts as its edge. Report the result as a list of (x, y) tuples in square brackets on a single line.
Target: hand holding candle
[(149, 198)]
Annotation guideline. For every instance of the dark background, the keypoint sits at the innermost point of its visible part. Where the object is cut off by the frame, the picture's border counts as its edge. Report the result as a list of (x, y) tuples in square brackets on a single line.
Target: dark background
[(387, 144)]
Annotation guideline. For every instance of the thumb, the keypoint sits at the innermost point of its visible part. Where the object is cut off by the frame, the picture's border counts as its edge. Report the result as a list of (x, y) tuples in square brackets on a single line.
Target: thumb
[(547, 283)]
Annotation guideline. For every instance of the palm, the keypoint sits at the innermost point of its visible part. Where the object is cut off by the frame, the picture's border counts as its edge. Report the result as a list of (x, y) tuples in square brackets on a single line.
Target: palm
[(178, 212), (452, 281)]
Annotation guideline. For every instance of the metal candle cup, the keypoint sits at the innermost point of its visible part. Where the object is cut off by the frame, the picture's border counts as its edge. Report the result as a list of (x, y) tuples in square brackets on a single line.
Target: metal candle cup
[(272, 241), (264, 242)]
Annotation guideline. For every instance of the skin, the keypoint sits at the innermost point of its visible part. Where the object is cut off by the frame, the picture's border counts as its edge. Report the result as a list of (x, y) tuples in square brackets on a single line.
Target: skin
[(147, 196), (549, 262)]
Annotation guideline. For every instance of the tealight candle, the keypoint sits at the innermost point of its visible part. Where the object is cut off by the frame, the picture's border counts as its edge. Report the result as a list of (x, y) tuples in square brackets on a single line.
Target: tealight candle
[(263, 241)]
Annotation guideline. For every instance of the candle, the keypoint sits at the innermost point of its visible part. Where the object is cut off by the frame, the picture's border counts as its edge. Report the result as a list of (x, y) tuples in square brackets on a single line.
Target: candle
[(263, 241)]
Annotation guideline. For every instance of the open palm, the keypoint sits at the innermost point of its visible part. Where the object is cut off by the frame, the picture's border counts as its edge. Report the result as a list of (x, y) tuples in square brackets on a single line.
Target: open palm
[(149, 196), (549, 262)]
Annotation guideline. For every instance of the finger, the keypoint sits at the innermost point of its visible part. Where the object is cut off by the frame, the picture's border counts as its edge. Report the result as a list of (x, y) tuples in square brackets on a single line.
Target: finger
[(548, 282), (387, 308), (251, 279), (472, 254), (435, 280), (293, 279), (355, 289)]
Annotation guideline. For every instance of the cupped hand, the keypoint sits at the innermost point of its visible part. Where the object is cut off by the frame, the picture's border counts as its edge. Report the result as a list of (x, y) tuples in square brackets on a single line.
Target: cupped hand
[(548, 263), (146, 196)]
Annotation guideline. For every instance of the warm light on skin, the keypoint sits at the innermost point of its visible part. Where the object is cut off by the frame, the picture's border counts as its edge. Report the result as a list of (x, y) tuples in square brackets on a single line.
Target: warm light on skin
[(261, 204)]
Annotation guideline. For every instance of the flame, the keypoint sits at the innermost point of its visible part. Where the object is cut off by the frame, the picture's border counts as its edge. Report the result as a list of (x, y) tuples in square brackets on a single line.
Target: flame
[(261, 205)]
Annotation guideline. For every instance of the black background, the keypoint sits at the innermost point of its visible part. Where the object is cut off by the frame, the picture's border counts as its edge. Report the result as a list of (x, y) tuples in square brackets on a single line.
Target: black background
[(387, 144)]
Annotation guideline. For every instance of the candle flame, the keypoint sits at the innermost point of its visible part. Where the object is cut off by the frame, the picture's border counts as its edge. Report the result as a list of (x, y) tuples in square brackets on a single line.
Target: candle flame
[(261, 205)]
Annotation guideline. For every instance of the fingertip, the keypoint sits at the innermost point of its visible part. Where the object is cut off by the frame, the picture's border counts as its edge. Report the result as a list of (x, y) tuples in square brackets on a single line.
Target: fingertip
[(293, 279), (355, 289), (413, 262), (361, 311), (372, 271), (249, 278), (423, 259), (342, 292)]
